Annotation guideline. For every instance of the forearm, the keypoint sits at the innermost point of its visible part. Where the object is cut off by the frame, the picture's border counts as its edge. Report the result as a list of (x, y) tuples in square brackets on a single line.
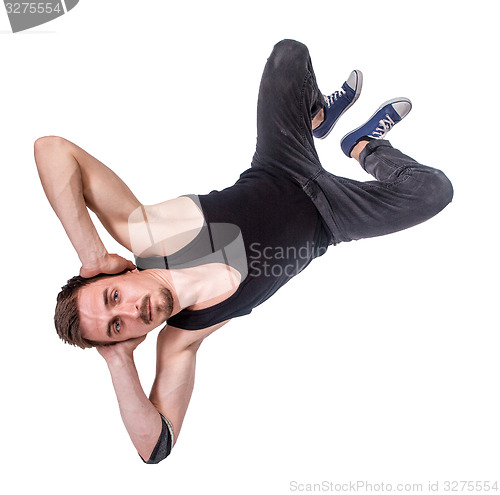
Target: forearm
[(140, 417), (61, 179)]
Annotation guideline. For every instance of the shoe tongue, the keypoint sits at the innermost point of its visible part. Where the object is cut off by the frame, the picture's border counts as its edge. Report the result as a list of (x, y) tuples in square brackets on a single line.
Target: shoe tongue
[(348, 88), (392, 115)]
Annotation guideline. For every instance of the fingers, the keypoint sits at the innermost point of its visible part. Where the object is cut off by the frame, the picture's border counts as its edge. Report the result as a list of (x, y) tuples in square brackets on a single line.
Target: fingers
[(111, 264), (136, 340), (88, 272), (118, 264), (131, 266)]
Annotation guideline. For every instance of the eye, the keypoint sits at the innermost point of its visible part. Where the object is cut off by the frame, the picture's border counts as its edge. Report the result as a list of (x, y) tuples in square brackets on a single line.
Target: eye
[(115, 296), (117, 326)]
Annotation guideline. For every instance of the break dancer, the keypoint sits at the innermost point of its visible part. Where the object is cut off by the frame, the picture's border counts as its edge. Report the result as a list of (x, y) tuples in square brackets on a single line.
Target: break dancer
[(201, 261)]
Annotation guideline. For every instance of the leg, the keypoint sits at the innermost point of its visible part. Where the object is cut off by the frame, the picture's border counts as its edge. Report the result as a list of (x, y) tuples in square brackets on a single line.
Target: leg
[(289, 99), (405, 193), (318, 119)]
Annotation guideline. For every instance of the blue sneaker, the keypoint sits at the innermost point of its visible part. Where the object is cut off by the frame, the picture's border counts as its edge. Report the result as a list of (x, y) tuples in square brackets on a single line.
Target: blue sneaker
[(338, 102), (379, 124)]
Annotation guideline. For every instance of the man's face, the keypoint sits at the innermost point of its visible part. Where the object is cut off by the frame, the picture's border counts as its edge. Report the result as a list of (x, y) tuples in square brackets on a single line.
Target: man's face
[(123, 307)]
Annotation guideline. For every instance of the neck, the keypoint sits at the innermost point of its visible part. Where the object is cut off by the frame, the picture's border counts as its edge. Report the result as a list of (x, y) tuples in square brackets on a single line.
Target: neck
[(184, 285)]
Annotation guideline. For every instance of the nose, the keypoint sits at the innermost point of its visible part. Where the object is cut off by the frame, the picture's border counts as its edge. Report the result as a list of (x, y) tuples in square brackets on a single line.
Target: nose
[(130, 310)]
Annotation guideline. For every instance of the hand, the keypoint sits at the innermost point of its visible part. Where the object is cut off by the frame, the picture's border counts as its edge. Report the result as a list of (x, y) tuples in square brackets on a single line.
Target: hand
[(120, 349), (110, 264)]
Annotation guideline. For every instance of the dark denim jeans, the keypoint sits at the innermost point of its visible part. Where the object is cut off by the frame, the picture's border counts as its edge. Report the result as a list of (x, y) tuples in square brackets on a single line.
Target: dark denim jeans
[(404, 193)]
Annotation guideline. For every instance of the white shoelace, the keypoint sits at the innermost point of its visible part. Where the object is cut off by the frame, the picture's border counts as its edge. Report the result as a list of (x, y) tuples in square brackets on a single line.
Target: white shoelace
[(330, 99), (384, 126)]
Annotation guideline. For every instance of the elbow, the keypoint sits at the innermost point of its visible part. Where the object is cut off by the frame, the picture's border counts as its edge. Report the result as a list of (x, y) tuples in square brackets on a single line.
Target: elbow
[(163, 445), (48, 144), (153, 459), (155, 456)]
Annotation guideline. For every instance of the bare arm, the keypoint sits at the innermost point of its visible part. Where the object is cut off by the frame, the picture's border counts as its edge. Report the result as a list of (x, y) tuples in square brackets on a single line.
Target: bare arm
[(140, 417), (171, 391), (74, 180)]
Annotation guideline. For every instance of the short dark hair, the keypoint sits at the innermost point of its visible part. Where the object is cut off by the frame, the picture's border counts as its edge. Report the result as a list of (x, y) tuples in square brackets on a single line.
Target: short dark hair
[(67, 315)]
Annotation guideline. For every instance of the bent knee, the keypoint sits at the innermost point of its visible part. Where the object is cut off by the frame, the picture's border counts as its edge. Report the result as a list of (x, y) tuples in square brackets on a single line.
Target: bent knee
[(289, 44), (288, 49), (444, 188), (439, 190)]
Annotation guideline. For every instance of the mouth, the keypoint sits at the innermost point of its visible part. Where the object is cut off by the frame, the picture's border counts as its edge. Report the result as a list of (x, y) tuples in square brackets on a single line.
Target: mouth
[(150, 308)]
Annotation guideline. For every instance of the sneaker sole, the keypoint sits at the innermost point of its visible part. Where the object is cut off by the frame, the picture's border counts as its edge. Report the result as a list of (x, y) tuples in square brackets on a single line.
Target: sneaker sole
[(388, 102), (356, 96)]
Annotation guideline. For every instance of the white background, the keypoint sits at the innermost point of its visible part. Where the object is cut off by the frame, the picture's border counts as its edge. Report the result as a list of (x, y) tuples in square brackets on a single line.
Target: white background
[(380, 362)]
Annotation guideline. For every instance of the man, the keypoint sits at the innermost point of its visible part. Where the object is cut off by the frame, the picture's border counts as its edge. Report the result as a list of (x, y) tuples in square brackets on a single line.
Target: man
[(207, 259)]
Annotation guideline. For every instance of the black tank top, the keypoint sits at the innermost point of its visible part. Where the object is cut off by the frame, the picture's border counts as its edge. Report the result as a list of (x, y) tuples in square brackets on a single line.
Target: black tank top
[(265, 226)]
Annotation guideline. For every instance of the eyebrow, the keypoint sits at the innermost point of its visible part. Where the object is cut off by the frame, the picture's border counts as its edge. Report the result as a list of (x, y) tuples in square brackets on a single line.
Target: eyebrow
[(106, 302)]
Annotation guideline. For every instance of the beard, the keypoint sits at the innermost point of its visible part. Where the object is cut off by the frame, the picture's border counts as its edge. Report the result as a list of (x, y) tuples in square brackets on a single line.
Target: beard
[(167, 302)]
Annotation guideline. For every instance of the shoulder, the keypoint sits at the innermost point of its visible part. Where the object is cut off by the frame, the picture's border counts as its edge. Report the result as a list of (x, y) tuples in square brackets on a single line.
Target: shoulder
[(173, 340)]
